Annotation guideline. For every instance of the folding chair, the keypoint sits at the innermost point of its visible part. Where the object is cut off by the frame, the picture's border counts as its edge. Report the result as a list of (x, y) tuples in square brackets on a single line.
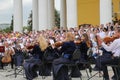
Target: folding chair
[(75, 57), (18, 69), (116, 66), (47, 59), (88, 63)]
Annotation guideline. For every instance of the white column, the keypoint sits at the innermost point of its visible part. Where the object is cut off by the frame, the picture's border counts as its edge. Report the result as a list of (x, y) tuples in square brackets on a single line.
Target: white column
[(18, 16), (105, 11), (43, 14), (71, 13), (63, 14), (35, 25), (51, 14)]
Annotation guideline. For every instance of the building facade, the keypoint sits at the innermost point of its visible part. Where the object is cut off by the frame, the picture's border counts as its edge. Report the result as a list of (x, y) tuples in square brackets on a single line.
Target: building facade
[(72, 13), (98, 11)]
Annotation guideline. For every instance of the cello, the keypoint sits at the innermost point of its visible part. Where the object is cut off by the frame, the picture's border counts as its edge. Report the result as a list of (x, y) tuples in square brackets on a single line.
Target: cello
[(7, 57)]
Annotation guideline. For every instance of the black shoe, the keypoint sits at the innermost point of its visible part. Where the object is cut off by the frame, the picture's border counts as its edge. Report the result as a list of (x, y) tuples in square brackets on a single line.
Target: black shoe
[(95, 69), (113, 77), (106, 78)]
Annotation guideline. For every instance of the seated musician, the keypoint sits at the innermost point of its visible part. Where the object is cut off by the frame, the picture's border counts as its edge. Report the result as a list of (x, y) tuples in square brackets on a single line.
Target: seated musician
[(45, 69), (36, 52), (18, 56), (114, 47), (99, 54), (84, 46), (33, 64), (7, 56), (60, 72)]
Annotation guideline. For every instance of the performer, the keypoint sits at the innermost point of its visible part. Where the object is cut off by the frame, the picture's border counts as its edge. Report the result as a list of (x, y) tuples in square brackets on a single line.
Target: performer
[(84, 46), (7, 56), (18, 56), (33, 64), (36, 52), (60, 72), (114, 47)]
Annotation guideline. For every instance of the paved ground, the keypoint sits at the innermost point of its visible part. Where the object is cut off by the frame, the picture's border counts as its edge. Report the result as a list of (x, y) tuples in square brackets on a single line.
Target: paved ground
[(8, 71)]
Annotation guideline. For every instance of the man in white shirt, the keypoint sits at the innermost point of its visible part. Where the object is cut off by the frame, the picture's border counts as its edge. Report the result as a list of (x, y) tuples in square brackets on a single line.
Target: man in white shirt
[(114, 47)]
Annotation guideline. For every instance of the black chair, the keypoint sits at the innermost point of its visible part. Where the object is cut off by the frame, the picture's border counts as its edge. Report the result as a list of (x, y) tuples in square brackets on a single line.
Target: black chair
[(18, 69), (87, 64), (74, 63), (115, 68), (48, 57)]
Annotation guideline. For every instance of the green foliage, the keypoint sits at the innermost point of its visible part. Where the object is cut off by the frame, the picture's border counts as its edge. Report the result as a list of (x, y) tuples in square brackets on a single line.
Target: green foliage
[(7, 30), (11, 25), (57, 19), (26, 28), (30, 22)]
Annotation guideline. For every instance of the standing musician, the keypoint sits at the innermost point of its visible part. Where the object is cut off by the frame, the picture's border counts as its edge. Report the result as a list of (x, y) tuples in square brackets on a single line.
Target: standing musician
[(114, 47)]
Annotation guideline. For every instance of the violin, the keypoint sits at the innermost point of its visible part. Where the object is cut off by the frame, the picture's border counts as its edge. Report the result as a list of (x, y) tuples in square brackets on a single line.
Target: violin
[(58, 44), (110, 39), (77, 42), (30, 47)]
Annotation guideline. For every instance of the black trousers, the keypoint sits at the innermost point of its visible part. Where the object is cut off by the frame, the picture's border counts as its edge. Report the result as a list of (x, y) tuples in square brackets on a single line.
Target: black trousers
[(60, 71), (109, 61)]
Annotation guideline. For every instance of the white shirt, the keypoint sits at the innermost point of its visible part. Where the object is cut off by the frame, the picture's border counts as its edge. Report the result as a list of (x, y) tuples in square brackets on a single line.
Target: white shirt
[(102, 34), (114, 47), (110, 33), (21, 45)]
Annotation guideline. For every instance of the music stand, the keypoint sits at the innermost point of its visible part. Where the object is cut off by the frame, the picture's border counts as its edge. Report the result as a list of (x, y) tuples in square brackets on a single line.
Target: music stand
[(99, 72), (2, 49)]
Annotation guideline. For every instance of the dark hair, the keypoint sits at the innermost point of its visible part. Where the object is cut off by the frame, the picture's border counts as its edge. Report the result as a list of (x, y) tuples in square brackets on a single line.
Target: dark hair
[(87, 40), (118, 29), (86, 36), (2, 40), (112, 28)]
